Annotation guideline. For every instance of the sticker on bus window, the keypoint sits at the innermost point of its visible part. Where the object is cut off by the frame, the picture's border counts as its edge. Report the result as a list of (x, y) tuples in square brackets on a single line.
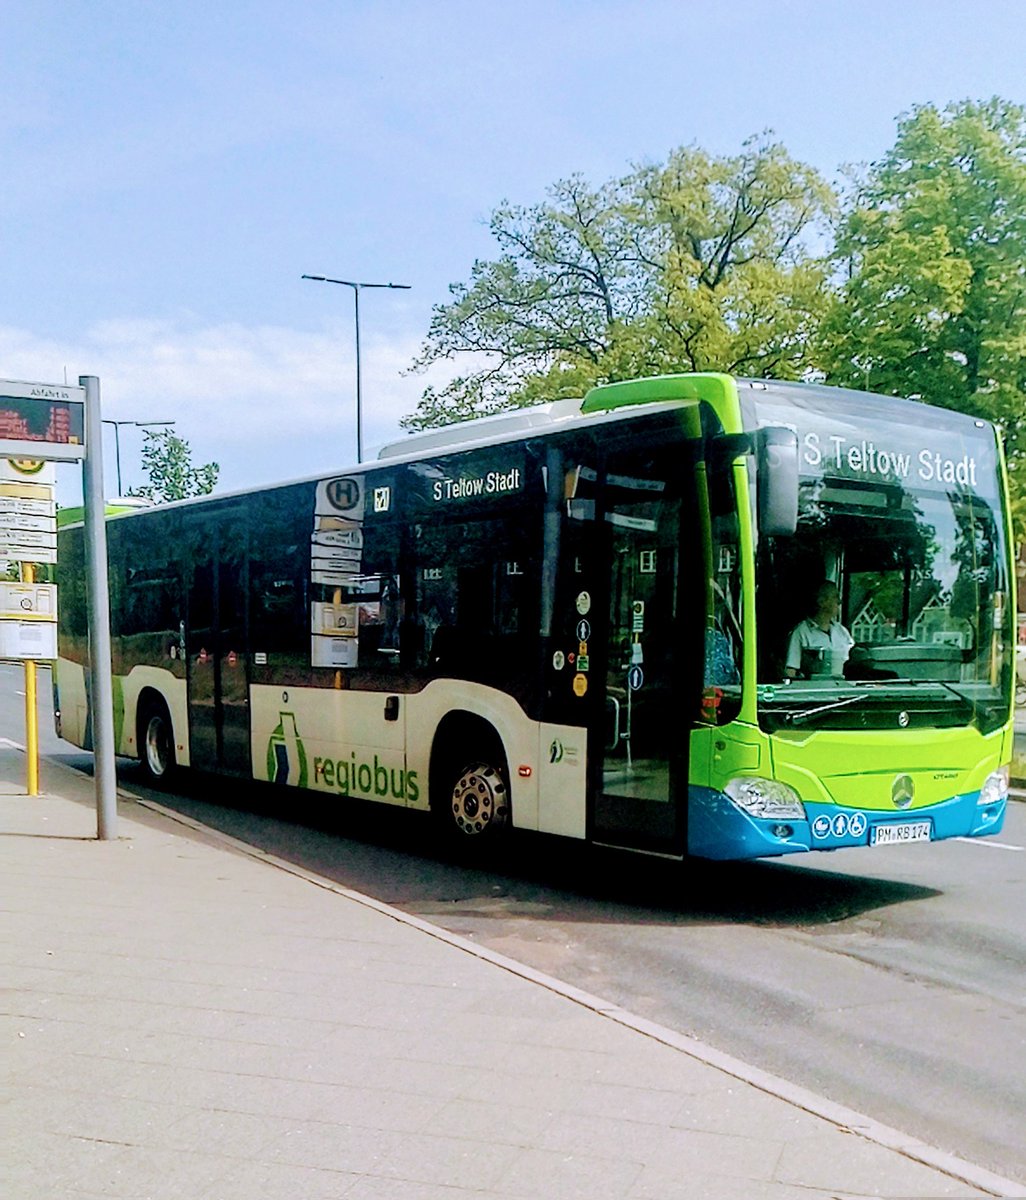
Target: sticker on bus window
[(580, 684), (584, 603), (558, 660)]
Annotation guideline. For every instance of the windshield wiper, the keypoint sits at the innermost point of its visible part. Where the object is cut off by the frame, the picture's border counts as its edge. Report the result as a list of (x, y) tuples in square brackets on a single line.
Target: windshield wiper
[(989, 710), (798, 716), (794, 717), (973, 704), (917, 683)]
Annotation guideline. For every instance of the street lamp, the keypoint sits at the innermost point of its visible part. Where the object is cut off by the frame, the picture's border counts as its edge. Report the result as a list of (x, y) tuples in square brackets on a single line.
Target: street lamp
[(117, 439), (356, 297)]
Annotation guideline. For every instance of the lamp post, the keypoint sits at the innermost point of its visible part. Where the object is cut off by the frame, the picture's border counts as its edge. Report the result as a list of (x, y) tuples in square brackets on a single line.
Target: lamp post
[(117, 439), (356, 298)]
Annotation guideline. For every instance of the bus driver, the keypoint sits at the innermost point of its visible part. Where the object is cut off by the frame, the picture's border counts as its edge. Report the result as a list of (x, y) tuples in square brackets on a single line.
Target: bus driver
[(820, 644)]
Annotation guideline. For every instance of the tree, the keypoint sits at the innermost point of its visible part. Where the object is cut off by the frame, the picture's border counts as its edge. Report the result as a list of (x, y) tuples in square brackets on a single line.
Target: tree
[(167, 461), (700, 263), (932, 244)]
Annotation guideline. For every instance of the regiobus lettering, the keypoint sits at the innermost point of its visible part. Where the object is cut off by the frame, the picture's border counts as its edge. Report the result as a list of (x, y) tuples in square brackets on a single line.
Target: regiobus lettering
[(350, 777)]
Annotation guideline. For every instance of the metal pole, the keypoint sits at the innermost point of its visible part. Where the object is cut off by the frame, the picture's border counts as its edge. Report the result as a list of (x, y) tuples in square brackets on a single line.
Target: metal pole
[(117, 450), (28, 575), (356, 297), (117, 444), (359, 396), (98, 594)]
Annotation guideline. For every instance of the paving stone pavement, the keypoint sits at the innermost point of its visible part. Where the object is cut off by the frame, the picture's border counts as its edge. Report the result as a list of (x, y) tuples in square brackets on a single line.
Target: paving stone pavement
[(188, 1018)]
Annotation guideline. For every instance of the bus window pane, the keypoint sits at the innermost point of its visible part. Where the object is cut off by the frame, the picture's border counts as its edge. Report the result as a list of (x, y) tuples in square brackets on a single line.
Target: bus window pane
[(477, 585)]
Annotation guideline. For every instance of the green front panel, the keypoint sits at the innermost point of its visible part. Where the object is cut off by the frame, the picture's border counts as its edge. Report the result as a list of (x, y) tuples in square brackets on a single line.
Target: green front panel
[(857, 770), (851, 769)]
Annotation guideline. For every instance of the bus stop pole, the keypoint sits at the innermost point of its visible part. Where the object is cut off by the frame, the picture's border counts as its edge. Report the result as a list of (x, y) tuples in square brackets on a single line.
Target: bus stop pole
[(31, 713), (102, 696)]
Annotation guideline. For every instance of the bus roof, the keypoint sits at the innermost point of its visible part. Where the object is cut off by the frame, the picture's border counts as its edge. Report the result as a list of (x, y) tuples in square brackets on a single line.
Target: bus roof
[(718, 390), (603, 399), (612, 401)]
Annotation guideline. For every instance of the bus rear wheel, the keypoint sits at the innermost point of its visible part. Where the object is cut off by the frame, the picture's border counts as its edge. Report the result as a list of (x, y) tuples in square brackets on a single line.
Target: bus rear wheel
[(156, 742), (478, 802)]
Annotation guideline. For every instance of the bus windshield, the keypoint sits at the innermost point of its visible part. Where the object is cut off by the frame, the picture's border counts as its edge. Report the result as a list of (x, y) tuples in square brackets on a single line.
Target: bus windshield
[(889, 606)]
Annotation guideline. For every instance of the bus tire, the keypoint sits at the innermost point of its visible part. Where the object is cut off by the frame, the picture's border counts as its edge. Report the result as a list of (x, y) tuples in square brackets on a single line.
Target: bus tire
[(472, 799), (156, 741)]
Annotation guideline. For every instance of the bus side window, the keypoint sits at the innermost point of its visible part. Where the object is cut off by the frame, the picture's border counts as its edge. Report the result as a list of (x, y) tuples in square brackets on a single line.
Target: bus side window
[(477, 583)]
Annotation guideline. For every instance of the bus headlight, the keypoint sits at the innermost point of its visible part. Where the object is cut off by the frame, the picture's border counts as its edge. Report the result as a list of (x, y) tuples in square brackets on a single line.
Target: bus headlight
[(766, 798), (995, 788)]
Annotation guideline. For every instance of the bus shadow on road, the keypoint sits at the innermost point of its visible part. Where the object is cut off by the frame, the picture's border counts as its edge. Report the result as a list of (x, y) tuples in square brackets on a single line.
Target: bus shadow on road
[(761, 892), (399, 857)]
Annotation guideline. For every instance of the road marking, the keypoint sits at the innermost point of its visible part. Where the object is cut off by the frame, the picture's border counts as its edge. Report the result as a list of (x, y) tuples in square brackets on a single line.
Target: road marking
[(990, 845)]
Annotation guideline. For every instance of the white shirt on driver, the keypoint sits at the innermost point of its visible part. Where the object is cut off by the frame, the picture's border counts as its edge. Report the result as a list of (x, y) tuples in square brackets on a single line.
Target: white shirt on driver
[(816, 651)]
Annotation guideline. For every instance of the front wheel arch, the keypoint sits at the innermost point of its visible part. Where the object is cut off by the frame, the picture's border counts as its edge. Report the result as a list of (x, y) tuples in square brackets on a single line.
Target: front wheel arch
[(470, 785)]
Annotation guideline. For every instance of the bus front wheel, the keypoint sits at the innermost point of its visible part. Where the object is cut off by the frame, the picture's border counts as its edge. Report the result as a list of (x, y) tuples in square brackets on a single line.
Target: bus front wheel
[(476, 804), (156, 742)]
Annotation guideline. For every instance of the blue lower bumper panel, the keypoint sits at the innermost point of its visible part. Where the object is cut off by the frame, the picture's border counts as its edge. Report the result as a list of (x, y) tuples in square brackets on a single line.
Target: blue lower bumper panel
[(718, 829)]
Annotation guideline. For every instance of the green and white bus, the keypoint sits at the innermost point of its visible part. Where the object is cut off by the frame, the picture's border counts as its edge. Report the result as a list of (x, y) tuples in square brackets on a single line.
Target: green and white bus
[(575, 619)]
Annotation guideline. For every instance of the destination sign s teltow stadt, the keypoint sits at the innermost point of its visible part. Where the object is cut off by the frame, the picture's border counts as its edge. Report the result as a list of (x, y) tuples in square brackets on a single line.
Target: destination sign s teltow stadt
[(469, 487), (864, 457)]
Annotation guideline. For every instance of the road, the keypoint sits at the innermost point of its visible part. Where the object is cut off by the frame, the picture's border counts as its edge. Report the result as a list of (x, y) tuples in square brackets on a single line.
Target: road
[(891, 980)]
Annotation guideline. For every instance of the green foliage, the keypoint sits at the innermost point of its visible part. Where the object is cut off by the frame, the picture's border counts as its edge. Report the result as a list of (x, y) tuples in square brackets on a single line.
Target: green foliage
[(167, 461), (933, 248), (706, 263), (700, 263)]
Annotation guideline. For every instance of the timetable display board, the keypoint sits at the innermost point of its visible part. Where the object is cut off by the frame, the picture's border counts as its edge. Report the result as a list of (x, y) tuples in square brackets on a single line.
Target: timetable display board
[(28, 511), (42, 421)]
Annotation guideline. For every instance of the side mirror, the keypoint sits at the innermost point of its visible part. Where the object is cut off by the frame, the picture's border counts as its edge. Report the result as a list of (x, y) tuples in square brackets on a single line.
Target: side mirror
[(778, 481)]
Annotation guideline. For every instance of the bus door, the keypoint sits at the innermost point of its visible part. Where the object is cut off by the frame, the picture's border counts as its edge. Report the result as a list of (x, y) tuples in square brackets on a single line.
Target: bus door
[(640, 801), (216, 644)]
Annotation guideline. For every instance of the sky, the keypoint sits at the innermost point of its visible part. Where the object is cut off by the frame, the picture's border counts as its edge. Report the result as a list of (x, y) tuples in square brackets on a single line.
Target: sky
[(171, 169)]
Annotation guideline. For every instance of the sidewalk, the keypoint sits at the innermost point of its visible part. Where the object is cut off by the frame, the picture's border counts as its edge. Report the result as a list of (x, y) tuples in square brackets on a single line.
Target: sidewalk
[(189, 1019)]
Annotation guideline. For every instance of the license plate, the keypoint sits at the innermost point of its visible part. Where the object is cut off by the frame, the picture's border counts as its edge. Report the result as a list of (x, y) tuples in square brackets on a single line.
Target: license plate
[(903, 831)]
